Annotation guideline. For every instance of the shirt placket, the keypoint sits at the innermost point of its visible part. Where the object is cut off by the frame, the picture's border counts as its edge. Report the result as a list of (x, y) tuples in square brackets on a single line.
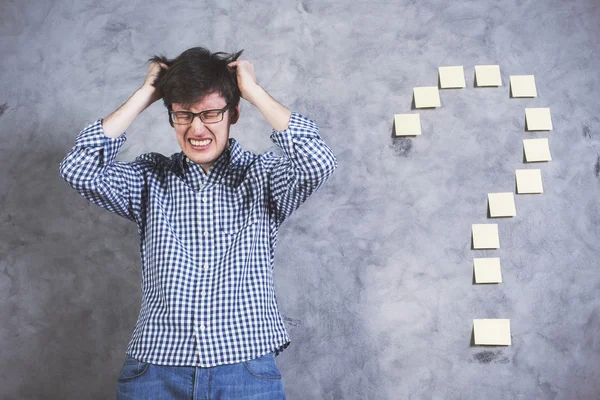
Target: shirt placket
[(202, 326)]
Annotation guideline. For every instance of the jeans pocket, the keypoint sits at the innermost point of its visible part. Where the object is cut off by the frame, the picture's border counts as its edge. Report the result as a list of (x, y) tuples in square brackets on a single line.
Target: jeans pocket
[(263, 367), (132, 368)]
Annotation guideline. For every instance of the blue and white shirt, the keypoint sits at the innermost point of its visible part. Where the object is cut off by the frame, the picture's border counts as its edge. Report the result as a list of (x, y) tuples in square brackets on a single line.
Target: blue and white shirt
[(207, 240)]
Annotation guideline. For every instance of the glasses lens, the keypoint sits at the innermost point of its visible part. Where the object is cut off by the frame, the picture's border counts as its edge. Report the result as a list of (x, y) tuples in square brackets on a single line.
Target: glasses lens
[(181, 117), (212, 116)]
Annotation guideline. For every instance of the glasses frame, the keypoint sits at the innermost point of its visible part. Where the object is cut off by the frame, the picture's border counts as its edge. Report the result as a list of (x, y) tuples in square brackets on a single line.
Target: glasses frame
[(201, 115)]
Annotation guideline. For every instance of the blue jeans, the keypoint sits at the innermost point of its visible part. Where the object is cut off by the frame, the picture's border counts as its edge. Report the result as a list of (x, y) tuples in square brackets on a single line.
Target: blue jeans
[(257, 379)]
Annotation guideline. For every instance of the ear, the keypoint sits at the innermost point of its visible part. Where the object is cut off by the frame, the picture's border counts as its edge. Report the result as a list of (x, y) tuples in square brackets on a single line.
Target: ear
[(234, 115)]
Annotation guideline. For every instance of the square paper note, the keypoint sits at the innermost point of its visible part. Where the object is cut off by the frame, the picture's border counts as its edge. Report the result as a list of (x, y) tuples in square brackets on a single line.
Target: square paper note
[(536, 150), (538, 119), (523, 86), (485, 236), (487, 270), (407, 124), (529, 181), (452, 77), (426, 97), (488, 75), (492, 332), (502, 204)]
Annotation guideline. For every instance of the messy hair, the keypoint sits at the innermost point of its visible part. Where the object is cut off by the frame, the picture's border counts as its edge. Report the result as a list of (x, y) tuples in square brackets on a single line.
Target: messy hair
[(196, 73)]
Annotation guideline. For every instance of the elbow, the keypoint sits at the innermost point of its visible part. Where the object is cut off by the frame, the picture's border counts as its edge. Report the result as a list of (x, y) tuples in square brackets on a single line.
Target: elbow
[(329, 164), (322, 169), (74, 170), (67, 168), (63, 169)]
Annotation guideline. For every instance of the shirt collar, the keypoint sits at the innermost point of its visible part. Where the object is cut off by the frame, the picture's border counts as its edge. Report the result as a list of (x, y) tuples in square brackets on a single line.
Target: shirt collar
[(228, 158)]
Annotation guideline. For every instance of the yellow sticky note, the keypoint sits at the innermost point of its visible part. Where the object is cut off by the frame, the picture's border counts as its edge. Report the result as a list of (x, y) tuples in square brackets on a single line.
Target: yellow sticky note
[(452, 77), (487, 270), (407, 124), (502, 204), (529, 181), (485, 236), (536, 150), (492, 332), (488, 75), (538, 119), (427, 97), (523, 86)]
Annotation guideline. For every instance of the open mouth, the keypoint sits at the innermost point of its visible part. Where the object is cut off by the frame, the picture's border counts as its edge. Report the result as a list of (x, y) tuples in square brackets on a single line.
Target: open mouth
[(200, 144)]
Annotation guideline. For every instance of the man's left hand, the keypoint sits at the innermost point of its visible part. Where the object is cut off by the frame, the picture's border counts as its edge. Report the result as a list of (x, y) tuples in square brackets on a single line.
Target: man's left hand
[(246, 78)]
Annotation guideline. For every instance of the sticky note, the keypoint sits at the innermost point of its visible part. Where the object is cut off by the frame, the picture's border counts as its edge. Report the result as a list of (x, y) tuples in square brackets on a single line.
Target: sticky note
[(427, 97), (488, 75), (538, 119), (529, 181), (502, 204), (487, 270), (492, 332), (536, 150), (407, 124), (485, 236), (452, 77), (523, 86)]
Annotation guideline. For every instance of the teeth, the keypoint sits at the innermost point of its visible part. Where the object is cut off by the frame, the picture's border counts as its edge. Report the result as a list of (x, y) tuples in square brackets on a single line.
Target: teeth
[(200, 142)]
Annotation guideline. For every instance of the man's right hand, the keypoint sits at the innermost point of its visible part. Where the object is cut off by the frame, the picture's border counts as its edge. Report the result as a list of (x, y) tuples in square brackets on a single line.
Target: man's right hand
[(148, 86), (119, 120)]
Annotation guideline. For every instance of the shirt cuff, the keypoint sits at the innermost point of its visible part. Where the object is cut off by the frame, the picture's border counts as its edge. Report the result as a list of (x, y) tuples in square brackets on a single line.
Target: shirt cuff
[(93, 137), (300, 130)]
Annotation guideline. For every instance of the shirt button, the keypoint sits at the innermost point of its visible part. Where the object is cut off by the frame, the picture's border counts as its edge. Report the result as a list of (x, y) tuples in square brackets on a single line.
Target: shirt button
[(205, 233), (204, 199), (203, 294), (205, 266), (202, 327)]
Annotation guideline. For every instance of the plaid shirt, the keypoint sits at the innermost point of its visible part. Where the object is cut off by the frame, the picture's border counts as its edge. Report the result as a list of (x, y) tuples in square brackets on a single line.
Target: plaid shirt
[(207, 241)]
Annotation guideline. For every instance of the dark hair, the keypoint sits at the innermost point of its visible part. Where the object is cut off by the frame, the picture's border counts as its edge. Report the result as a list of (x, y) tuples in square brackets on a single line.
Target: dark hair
[(196, 73)]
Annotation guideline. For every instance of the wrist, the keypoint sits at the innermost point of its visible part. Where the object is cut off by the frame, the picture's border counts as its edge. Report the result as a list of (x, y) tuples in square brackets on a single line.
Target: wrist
[(147, 94), (255, 94)]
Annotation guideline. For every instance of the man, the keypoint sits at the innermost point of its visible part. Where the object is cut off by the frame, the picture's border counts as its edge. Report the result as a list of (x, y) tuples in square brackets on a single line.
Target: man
[(208, 217)]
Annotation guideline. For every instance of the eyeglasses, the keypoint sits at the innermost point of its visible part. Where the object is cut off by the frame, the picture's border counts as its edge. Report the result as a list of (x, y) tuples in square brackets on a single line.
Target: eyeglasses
[(206, 116)]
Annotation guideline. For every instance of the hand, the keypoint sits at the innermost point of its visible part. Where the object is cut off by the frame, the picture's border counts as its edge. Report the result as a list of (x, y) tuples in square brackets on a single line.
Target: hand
[(120, 119), (153, 72), (246, 78)]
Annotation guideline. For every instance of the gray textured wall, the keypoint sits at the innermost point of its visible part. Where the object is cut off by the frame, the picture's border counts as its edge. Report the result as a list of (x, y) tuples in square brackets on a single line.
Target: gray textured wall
[(374, 272)]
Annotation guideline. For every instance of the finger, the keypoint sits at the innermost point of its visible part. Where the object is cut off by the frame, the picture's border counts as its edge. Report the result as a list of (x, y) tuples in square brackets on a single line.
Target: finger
[(233, 64), (158, 64)]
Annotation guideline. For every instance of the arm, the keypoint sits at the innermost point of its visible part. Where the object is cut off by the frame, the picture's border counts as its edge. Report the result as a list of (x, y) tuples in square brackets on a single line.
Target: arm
[(277, 114), (90, 167), (306, 164), (307, 161), (120, 119)]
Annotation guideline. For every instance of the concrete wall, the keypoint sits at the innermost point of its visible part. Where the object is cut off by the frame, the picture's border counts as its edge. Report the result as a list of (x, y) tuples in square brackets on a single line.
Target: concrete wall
[(374, 272)]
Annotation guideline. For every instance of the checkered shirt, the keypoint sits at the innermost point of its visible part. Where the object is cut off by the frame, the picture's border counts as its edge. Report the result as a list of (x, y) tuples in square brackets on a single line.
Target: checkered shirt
[(207, 240)]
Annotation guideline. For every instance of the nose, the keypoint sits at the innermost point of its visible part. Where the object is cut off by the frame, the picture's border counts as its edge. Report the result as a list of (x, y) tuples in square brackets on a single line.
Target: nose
[(197, 125)]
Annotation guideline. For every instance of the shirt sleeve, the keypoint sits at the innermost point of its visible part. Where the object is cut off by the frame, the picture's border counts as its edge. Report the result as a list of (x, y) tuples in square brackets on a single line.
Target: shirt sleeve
[(307, 162), (90, 168)]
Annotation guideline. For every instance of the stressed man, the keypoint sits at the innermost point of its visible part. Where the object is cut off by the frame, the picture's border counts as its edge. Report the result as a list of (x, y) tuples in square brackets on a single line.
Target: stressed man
[(208, 216)]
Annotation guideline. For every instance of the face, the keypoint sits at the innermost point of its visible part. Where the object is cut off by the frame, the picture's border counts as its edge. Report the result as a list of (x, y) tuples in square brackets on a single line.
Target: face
[(213, 138)]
